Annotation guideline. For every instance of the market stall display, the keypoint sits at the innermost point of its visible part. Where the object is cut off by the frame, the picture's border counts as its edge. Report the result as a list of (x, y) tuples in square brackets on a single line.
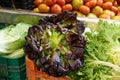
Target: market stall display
[(83, 44)]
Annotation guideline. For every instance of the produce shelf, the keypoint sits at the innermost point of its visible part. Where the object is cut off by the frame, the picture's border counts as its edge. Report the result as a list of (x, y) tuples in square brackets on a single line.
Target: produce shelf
[(15, 16)]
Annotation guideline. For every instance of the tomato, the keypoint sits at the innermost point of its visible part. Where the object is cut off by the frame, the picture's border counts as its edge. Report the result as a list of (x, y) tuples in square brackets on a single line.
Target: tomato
[(36, 10), (43, 8), (84, 9), (79, 13), (67, 1), (88, 4), (76, 4), (99, 2), (107, 5), (56, 9), (37, 2), (118, 14), (61, 2), (97, 10), (108, 12), (115, 4), (118, 1), (114, 9), (108, 0), (50, 2), (91, 3), (67, 7), (86, 1), (111, 14), (104, 16)]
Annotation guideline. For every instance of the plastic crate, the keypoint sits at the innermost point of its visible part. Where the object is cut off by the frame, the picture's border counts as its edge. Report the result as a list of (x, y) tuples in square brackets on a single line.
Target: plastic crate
[(17, 4), (12, 69), (3, 67), (2, 25)]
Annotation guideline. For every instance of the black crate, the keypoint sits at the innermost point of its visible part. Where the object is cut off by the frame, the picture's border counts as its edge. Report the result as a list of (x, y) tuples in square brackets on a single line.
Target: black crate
[(17, 4)]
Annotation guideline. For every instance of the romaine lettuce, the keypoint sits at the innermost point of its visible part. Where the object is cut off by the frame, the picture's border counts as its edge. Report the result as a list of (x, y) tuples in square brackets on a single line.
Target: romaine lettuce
[(13, 37)]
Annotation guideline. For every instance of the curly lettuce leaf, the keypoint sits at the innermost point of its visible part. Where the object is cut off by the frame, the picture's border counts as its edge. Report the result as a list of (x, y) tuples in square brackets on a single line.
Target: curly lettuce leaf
[(102, 54)]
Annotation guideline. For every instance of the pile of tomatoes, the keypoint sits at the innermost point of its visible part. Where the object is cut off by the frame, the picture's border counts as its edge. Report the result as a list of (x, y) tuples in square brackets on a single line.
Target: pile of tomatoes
[(52, 6), (107, 9)]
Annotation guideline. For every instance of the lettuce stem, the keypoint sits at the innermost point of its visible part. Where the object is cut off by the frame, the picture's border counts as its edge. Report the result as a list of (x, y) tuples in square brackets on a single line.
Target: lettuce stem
[(115, 67)]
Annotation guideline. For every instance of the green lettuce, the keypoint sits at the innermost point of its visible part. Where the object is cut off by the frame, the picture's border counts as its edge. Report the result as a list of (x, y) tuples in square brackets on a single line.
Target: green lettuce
[(13, 37), (102, 54), (16, 54)]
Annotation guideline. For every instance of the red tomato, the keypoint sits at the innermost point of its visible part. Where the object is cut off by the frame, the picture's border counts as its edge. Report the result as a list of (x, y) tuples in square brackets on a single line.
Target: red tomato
[(67, 1), (37, 2), (84, 9), (86, 1), (61, 2), (50, 2), (114, 9), (118, 14), (56, 9), (107, 5), (67, 7), (118, 1), (43, 8), (115, 3), (91, 3), (104, 16), (108, 0), (99, 2)]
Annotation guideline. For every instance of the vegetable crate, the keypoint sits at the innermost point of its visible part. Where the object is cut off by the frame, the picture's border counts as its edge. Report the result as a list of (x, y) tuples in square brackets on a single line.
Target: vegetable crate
[(2, 25), (17, 4), (34, 74), (12, 69)]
